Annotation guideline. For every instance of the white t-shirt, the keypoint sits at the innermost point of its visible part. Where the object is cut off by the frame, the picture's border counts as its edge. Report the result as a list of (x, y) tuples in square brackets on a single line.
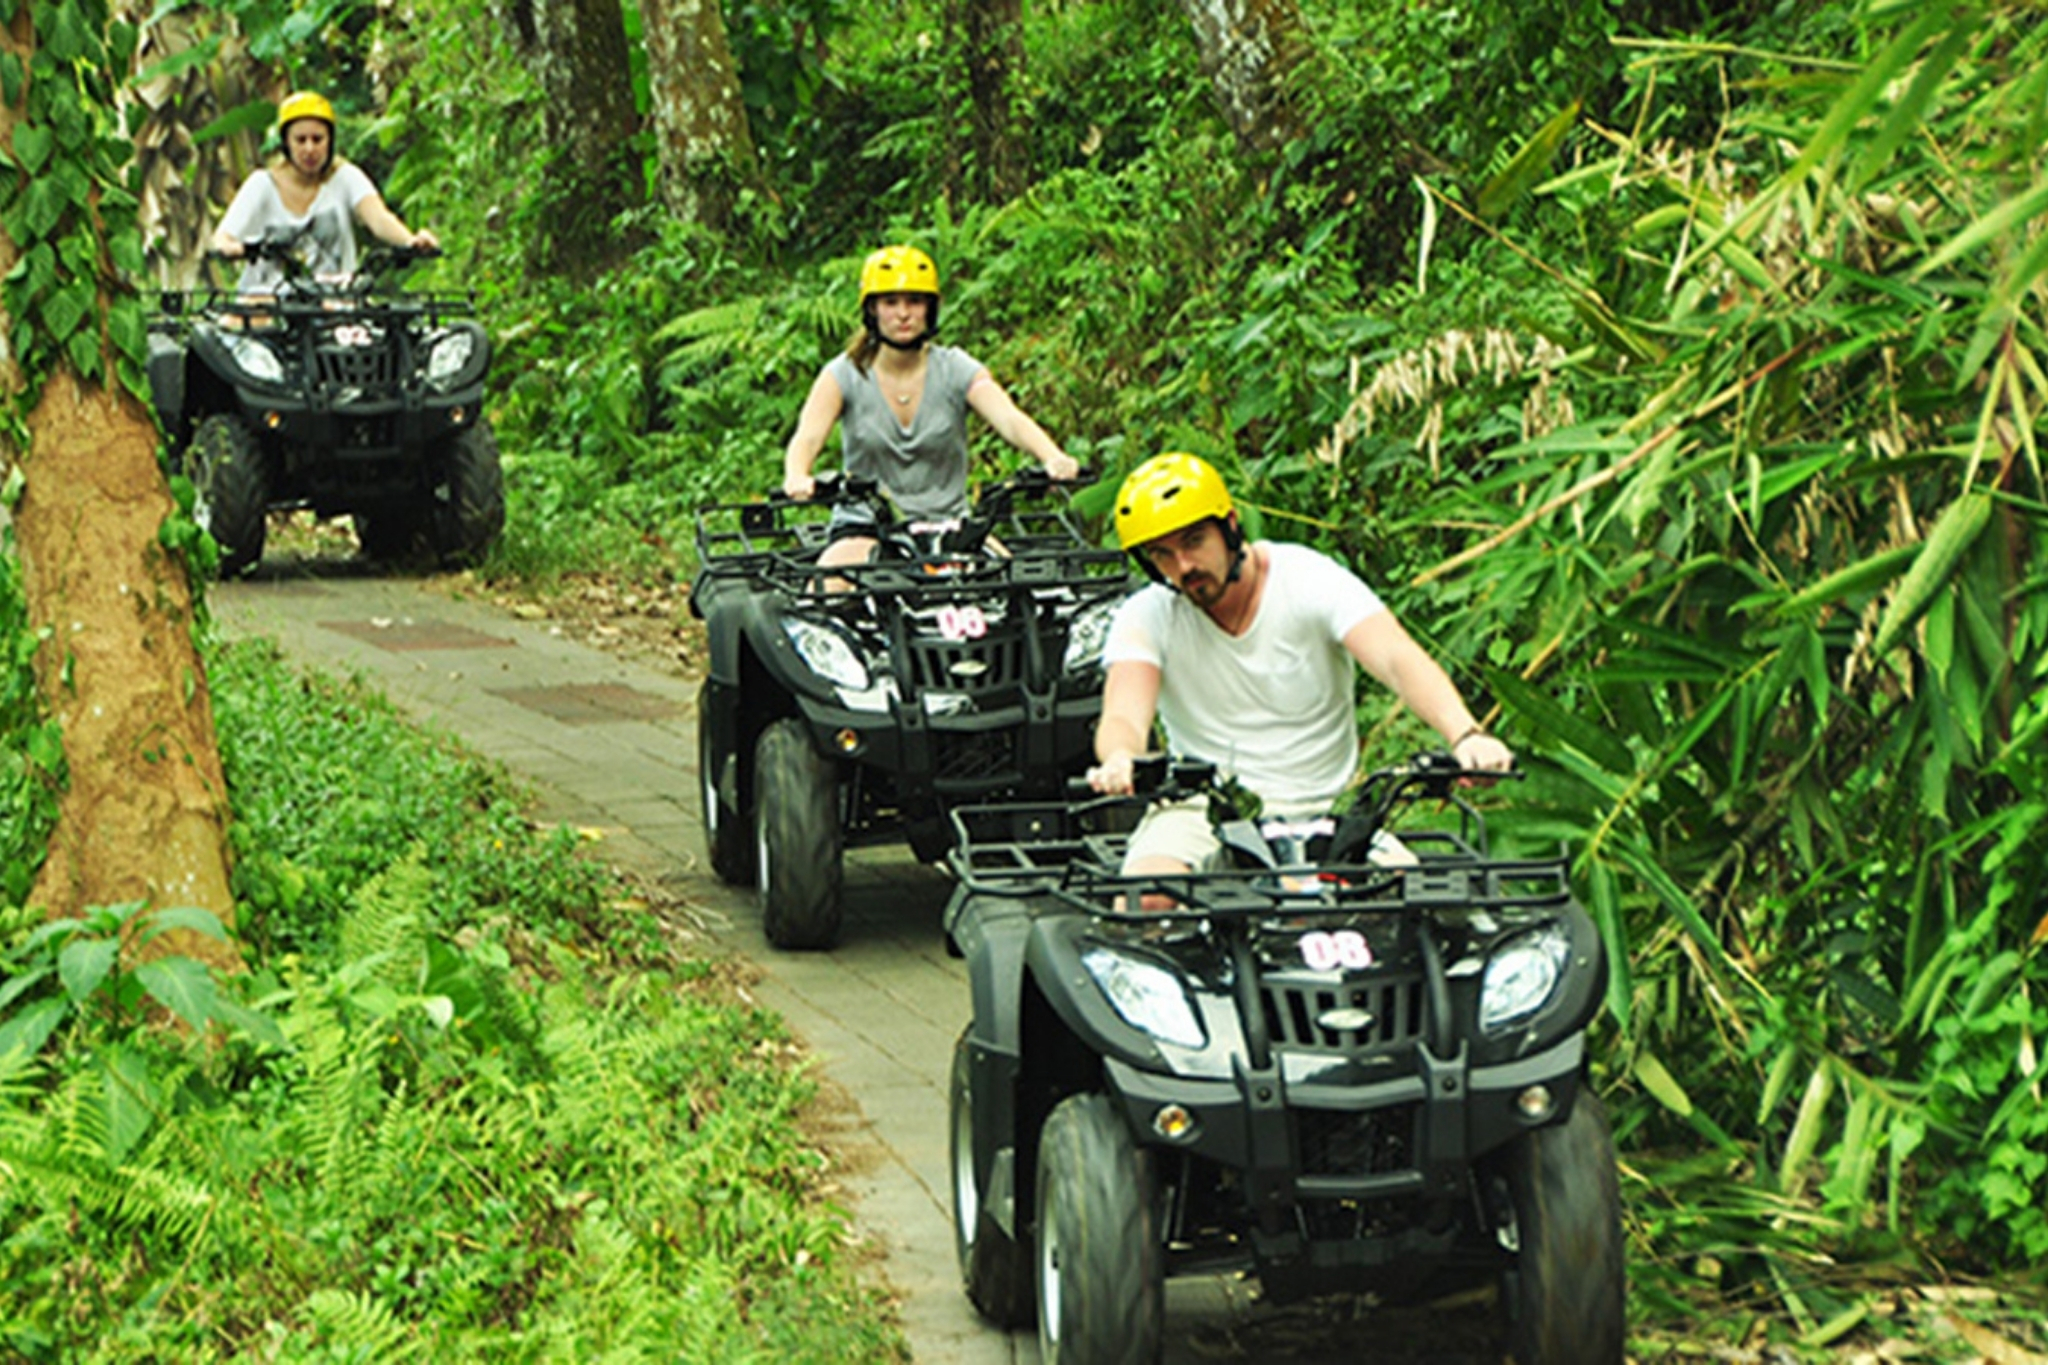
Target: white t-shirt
[(1275, 705), (329, 244)]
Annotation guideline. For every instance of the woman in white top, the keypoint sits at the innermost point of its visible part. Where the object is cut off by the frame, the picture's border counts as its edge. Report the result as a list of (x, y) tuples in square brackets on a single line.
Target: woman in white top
[(312, 191)]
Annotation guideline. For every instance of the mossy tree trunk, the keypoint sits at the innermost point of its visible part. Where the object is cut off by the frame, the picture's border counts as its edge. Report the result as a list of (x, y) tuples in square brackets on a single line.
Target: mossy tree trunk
[(1252, 52), (144, 813), (992, 46), (707, 150), (579, 54)]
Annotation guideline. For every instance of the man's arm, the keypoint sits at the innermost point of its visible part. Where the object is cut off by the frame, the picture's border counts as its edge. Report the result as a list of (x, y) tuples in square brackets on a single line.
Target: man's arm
[(1385, 649), (1130, 695)]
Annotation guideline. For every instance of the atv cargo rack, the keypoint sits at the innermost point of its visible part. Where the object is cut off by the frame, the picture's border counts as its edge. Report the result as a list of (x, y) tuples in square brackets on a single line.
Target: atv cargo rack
[(1036, 850)]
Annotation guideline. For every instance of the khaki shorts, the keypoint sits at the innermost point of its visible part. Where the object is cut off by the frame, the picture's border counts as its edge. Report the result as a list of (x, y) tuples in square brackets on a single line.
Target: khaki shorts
[(1179, 830)]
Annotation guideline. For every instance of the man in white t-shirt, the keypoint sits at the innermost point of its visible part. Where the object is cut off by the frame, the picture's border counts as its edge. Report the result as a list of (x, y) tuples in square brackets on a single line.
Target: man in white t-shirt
[(1245, 654)]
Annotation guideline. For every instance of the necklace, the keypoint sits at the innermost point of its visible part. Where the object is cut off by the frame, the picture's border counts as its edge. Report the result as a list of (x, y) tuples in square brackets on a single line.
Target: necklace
[(903, 398)]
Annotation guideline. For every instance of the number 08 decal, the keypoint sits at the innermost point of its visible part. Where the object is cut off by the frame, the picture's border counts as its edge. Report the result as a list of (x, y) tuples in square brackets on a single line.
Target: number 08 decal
[(1345, 948), (962, 623)]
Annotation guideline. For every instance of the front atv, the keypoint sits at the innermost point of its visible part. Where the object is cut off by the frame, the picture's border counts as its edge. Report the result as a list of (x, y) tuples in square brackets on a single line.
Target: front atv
[(835, 715), (1331, 1072), (345, 396)]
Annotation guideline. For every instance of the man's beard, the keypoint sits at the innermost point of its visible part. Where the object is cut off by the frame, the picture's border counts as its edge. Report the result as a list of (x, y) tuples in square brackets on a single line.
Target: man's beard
[(1202, 589)]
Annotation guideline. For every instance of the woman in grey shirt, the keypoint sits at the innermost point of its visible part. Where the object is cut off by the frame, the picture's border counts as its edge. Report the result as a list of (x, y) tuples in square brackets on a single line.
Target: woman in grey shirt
[(901, 402)]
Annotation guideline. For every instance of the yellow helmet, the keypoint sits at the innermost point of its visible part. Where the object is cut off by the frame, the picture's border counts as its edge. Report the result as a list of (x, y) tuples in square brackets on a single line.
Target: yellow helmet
[(1166, 493), (898, 270), (304, 104)]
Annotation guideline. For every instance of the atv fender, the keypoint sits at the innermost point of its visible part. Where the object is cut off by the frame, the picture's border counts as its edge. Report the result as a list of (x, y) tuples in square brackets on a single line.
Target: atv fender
[(991, 933)]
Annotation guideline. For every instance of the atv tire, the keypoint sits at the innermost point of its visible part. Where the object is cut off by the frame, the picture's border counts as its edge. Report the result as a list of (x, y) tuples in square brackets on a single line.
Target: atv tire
[(1101, 1269), (469, 495), (994, 1267), (727, 839), (231, 490), (1565, 1297), (797, 838)]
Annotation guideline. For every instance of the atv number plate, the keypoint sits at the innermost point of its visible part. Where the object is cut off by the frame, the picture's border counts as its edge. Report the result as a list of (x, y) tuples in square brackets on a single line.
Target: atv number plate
[(962, 623), (1327, 951)]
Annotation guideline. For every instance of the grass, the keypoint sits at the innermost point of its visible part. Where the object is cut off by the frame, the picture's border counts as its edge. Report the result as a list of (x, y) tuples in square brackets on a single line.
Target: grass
[(499, 1105)]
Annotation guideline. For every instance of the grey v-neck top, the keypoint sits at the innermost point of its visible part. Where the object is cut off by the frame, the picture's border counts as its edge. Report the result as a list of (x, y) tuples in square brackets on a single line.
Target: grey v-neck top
[(922, 467)]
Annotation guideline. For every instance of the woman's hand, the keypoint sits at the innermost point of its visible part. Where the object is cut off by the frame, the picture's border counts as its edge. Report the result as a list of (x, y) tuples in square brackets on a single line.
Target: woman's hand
[(1062, 466), (799, 487)]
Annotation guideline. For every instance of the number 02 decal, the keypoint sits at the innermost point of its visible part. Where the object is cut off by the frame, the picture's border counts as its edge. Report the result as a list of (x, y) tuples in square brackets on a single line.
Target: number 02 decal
[(1345, 948), (962, 623)]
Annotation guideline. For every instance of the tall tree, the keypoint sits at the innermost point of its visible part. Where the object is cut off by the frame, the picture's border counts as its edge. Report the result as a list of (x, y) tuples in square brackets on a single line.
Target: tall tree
[(1251, 51), (143, 816), (991, 35), (705, 146), (577, 49)]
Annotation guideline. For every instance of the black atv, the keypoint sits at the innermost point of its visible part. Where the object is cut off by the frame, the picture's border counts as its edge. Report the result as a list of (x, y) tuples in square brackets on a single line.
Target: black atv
[(345, 396), (857, 706), (1344, 1064)]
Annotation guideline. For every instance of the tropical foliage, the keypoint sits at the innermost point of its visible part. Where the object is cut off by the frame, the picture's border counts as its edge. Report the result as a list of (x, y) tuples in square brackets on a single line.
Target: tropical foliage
[(441, 1121), (1674, 369)]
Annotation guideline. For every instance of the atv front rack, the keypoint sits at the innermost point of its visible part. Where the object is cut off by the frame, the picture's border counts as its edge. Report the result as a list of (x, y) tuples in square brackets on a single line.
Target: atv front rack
[(756, 541), (1035, 850), (259, 313)]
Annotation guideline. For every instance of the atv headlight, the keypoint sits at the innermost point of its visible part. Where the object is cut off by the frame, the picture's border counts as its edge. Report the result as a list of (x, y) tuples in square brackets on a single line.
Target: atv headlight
[(449, 357), (254, 359), (1086, 636), (1521, 976), (1147, 995), (827, 653)]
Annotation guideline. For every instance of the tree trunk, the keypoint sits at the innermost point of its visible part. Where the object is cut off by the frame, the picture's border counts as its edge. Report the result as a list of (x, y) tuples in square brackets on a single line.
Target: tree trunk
[(577, 49), (1250, 52), (993, 40), (706, 148), (144, 813)]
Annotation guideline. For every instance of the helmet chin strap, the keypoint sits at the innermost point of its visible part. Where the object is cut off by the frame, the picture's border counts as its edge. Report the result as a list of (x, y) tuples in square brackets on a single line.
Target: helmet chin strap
[(874, 330)]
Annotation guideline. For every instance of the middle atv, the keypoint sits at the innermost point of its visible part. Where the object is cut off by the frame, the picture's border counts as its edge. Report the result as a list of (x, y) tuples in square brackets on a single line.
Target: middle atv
[(961, 664)]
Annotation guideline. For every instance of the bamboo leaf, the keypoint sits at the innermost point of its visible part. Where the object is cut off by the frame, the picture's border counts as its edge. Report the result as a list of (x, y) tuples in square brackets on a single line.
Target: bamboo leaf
[(1806, 1128), (2007, 217), (1958, 527), (1553, 721), (1906, 116), (1528, 164), (1847, 582), (1662, 1085), (1427, 238)]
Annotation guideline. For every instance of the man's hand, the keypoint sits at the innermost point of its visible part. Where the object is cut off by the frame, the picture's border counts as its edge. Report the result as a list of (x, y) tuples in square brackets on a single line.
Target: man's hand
[(1477, 749), (1112, 776), (799, 487), (1063, 467)]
